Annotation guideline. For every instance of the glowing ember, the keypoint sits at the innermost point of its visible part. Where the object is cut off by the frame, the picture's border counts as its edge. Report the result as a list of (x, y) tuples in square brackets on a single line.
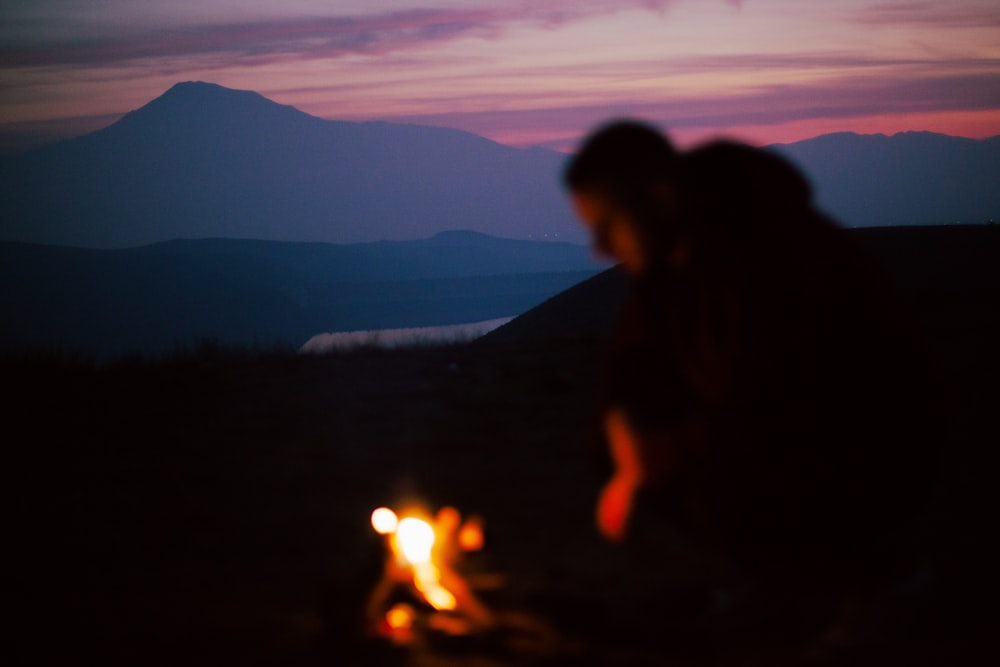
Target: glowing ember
[(400, 617), (384, 521), (470, 535)]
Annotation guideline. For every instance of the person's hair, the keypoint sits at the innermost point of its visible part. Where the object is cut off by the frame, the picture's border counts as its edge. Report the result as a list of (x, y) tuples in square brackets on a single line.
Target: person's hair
[(625, 161), (622, 159), (730, 183)]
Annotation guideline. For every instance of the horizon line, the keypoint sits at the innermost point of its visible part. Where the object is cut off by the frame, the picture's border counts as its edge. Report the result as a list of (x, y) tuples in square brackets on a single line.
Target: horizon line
[(21, 137)]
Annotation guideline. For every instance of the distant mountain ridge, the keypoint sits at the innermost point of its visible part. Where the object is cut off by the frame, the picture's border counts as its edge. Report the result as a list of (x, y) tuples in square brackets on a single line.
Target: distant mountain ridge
[(909, 178), (203, 161)]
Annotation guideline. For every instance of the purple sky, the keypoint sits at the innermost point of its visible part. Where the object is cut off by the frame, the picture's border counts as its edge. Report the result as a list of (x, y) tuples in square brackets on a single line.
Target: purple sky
[(519, 72)]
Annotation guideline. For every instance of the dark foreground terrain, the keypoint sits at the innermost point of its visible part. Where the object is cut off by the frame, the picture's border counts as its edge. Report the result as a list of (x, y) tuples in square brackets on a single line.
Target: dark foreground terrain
[(212, 508)]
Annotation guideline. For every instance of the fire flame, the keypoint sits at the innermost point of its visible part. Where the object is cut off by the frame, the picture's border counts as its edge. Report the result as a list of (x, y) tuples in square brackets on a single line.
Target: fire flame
[(426, 578), (416, 540), (384, 521), (412, 542)]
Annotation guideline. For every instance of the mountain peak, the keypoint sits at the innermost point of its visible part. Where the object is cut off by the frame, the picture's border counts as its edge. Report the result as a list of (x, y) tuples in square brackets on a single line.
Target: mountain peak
[(204, 94), (208, 105), (201, 90), (196, 85)]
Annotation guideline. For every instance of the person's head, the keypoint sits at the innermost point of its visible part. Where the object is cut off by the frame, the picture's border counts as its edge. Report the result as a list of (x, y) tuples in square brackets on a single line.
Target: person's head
[(622, 181), (741, 189)]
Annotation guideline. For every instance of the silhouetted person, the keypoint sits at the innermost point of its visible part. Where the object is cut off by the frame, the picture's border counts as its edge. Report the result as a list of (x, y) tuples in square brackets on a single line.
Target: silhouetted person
[(763, 387)]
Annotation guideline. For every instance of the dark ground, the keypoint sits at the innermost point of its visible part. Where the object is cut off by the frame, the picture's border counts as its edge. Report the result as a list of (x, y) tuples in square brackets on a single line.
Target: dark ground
[(213, 509)]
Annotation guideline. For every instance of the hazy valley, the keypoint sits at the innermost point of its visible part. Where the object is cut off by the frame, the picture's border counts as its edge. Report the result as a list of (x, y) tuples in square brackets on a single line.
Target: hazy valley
[(162, 298)]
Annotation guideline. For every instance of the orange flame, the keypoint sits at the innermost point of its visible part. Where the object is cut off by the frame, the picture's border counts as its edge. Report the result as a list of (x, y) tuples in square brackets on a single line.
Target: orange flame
[(412, 542)]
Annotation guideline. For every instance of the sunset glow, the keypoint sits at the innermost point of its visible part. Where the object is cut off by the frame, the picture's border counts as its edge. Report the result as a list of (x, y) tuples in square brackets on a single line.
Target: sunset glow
[(522, 73)]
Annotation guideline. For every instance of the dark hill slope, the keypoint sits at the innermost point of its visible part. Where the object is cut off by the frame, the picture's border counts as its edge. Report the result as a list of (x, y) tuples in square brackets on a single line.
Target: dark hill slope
[(585, 311), (940, 269)]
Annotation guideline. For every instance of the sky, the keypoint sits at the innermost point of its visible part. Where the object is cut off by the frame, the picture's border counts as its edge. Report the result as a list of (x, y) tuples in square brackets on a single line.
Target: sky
[(520, 72)]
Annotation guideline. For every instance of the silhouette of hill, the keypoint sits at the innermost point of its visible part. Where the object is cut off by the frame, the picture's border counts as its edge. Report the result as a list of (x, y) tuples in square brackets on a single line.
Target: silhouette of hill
[(584, 311), (243, 292), (203, 161), (948, 273)]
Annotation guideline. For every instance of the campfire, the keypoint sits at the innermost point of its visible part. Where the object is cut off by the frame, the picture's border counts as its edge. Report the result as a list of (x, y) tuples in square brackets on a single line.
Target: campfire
[(421, 587)]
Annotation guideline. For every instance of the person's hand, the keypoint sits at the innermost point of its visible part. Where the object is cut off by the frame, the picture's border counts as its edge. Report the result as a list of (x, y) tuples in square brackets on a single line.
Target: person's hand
[(615, 506), (624, 445)]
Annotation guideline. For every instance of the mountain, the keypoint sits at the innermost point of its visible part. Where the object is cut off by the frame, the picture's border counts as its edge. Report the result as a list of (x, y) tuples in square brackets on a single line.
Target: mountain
[(153, 299), (910, 178), (204, 161)]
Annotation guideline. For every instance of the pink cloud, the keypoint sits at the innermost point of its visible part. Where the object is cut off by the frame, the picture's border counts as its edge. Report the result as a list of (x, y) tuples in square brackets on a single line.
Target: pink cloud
[(771, 106), (313, 37), (933, 14)]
